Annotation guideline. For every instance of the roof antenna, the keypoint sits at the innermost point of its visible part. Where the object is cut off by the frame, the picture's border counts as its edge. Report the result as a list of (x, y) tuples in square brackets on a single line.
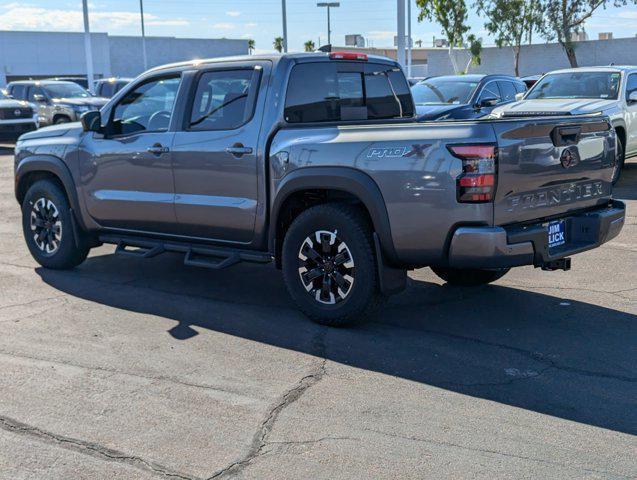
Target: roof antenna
[(325, 48)]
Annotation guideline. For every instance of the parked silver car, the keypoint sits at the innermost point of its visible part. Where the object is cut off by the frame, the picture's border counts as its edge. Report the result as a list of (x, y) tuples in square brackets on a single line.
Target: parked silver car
[(610, 91), (57, 101)]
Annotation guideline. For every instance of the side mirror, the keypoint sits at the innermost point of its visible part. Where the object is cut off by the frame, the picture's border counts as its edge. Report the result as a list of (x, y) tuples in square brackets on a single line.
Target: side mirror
[(632, 97), (38, 97), (91, 121), (488, 102), (519, 96)]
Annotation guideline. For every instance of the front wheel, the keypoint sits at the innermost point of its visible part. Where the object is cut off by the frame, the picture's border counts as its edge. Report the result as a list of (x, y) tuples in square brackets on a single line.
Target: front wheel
[(619, 160), (48, 229), (469, 277), (329, 265)]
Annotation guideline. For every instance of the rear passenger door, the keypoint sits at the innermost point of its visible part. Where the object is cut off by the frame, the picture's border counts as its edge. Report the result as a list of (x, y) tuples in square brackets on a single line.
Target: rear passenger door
[(216, 151)]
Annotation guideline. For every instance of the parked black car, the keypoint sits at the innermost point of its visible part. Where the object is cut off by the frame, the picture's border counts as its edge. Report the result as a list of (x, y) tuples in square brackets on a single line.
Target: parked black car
[(463, 97)]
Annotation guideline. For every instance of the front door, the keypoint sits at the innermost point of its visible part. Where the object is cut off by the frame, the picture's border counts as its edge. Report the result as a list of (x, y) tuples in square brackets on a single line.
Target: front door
[(126, 173), (215, 155)]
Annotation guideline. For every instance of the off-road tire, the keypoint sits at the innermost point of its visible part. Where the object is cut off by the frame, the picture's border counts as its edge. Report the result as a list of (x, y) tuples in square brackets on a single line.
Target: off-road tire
[(620, 160), (62, 252), (469, 277), (351, 228)]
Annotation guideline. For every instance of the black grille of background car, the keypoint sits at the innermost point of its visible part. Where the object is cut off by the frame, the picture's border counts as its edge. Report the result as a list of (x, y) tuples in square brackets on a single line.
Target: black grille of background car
[(16, 112)]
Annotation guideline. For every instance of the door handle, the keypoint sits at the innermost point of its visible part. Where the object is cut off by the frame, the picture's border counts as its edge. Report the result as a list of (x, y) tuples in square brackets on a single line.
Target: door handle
[(157, 149), (239, 150)]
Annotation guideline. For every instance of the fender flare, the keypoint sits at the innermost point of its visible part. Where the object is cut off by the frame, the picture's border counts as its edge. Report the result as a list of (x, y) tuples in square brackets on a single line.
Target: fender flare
[(55, 166), (345, 179)]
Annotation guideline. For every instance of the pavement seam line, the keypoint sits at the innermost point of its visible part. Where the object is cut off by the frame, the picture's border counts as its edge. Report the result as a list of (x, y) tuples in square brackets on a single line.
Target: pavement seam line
[(88, 448), (260, 438)]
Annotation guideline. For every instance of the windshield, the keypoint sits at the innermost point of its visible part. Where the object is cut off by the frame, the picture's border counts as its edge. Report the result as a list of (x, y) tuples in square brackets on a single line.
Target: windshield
[(443, 91), (65, 90), (602, 85)]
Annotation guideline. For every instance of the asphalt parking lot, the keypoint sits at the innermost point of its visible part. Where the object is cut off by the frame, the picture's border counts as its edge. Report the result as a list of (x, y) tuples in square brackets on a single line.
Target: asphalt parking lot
[(132, 369)]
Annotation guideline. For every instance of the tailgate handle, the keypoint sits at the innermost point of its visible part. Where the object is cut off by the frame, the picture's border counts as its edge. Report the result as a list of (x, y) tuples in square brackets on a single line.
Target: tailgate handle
[(565, 136)]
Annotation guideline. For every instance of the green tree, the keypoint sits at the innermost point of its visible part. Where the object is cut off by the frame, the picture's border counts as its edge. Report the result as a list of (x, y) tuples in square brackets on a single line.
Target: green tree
[(418, 43), (511, 22), (278, 44), (251, 44), (563, 18), (309, 46), (452, 16)]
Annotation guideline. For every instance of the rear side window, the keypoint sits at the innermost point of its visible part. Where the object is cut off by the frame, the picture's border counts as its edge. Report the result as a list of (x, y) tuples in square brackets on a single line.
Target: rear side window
[(106, 89), (520, 87), (224, 100), (508, 91), (342, 91)]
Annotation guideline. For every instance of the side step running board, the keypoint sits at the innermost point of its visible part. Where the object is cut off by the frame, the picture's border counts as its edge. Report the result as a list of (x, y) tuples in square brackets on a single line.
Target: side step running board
[(196, 255)]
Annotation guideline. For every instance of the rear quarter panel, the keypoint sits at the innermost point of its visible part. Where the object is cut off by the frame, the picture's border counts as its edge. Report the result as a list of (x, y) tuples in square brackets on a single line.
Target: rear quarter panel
[(410, 164)]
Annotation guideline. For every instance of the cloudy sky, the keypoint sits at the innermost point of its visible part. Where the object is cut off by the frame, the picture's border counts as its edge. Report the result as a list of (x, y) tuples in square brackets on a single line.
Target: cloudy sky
[(256, 19)]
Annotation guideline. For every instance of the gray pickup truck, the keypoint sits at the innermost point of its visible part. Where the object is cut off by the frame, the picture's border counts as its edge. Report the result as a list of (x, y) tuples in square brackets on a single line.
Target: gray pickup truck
[(315, 162)]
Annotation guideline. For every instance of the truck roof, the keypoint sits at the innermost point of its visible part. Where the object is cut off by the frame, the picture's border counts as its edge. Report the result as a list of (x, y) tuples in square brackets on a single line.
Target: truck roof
[(607, 68), (274, 58)]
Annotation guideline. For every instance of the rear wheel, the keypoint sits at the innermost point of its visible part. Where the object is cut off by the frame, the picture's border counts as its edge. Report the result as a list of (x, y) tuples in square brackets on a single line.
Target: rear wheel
[(469, 277), (61, 119), (48, 228), (619, 161), (329, 266)]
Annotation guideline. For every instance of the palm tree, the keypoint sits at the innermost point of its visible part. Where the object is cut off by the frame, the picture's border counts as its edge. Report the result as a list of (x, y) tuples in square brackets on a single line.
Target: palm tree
[(278, 44), (309, 46), (251, 46)]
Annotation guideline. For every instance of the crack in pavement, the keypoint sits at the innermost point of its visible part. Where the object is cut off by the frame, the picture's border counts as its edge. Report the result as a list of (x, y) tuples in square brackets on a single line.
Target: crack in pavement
[(617, 293), (260, 438), (88, 448), (494, 452), (503, 383)]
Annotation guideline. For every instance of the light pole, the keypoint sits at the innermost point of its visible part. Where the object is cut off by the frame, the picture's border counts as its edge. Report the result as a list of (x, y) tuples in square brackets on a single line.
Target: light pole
[(141, 15), (88, 49), (285, 28), (400, 43), (409, 38), (329, 5)]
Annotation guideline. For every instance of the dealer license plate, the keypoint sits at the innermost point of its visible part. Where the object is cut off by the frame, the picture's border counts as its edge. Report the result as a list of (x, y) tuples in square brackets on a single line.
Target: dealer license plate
[(557, 233)]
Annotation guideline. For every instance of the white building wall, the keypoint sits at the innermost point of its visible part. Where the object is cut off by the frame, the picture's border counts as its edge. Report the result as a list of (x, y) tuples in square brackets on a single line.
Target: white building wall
[(540, 58), (48, 54)]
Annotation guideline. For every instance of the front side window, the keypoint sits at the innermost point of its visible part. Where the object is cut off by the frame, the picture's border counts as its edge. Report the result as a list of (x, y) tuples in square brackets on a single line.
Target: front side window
[(18, 92), (346, 91), (436, 91), (631, 84), (148, 107), (598, 85), (222, 100), (66, 90), (491, 90)]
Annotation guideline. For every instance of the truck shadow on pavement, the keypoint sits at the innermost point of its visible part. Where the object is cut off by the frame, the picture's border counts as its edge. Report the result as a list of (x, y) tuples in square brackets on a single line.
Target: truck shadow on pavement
[(567, 359), (626, 188)]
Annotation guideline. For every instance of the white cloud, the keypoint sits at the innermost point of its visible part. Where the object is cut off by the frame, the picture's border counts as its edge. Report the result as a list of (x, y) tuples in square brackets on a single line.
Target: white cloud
[(26, 17), (233, 13), (250, 25), (224, 26)]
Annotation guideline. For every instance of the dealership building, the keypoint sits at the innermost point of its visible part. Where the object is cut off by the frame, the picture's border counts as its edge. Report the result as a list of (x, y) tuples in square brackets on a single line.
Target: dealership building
[(34, 55)]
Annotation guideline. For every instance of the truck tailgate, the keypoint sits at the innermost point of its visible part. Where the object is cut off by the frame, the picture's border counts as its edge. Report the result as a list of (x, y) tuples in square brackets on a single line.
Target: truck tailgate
[(551, 166)]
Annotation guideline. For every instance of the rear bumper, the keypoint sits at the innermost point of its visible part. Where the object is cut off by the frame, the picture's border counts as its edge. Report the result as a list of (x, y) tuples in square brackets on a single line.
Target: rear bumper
[(516, 245)]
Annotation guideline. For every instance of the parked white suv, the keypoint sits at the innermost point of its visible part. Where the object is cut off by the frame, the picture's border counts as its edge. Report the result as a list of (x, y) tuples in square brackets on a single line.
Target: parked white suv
[(610, 91)]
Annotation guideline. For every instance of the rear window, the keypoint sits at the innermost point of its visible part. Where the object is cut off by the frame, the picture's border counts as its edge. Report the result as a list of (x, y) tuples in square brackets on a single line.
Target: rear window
[(346, 91)]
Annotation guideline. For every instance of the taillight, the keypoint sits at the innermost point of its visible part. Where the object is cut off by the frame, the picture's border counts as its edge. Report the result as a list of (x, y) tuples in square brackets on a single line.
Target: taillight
[(348, 56), (476, 183)]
